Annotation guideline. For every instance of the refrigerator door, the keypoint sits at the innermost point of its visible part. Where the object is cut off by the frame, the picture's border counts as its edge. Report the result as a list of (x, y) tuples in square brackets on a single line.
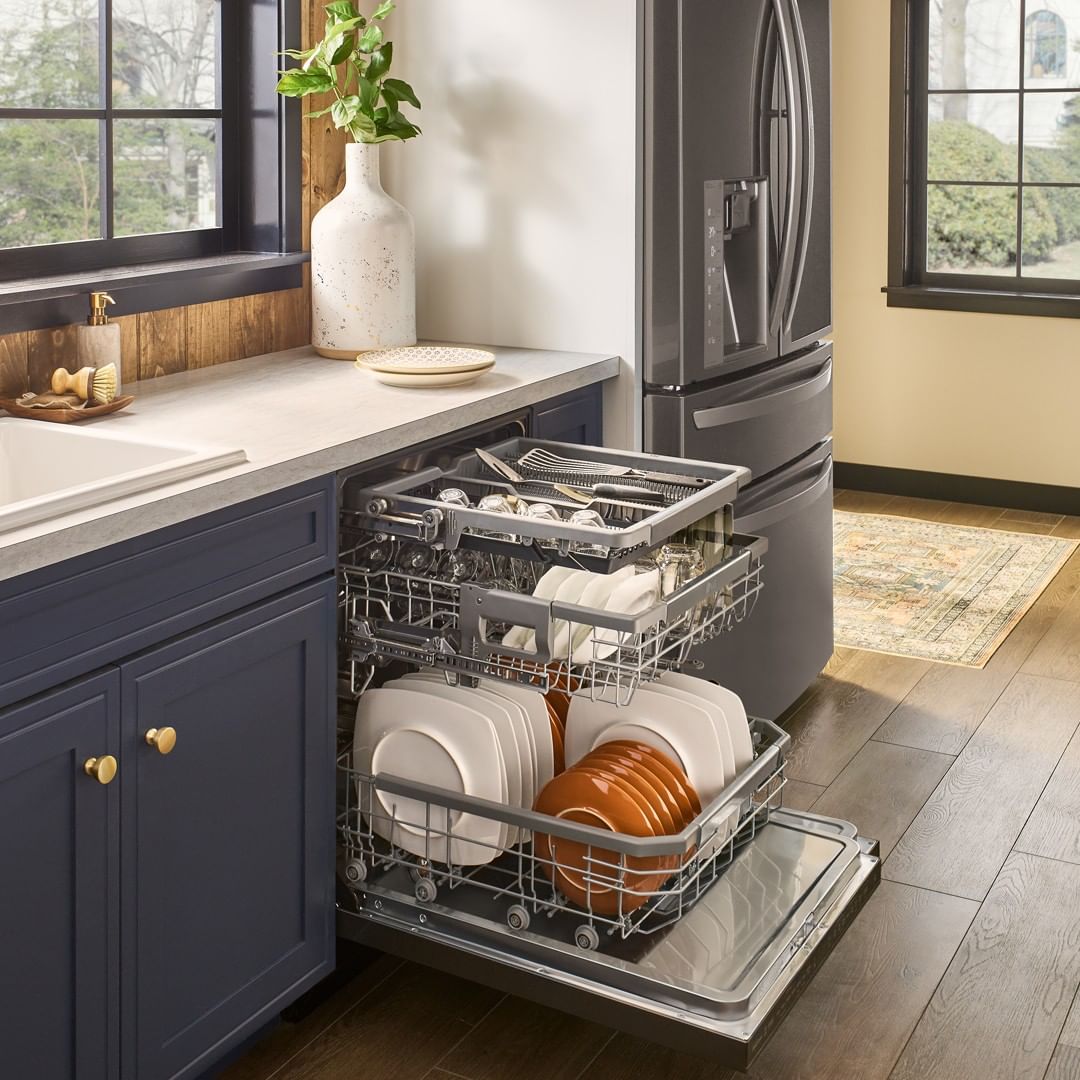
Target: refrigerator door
[(703, 63), (734, 91), (775, 654), (762, 420), (807, 315)]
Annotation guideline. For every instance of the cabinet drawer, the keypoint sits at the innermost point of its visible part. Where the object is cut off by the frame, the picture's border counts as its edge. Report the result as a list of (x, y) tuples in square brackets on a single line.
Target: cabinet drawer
[(62, 621)]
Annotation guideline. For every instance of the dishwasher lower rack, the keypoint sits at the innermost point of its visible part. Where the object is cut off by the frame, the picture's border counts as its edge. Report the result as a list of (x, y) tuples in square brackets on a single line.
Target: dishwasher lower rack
[(390, 828), (427, 619)]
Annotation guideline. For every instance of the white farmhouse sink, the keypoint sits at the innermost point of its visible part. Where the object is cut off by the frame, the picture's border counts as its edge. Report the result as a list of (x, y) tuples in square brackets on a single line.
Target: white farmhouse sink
[(47, 470)]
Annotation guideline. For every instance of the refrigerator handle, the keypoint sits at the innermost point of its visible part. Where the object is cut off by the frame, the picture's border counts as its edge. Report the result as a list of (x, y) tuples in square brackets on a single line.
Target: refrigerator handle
[(794, 169), (767, 403), (762, 519), (806, 106)]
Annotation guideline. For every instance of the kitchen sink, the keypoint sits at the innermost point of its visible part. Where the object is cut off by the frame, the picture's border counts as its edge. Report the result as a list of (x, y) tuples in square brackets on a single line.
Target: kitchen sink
[(47, 470)]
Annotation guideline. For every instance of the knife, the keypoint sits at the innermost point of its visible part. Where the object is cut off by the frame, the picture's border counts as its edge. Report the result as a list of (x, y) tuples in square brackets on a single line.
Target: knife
[(610, 492)]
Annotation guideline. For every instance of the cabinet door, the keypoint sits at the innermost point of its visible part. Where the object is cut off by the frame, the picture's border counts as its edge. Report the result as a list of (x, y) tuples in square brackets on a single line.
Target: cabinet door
[(59, 853), (228, 914), (572, 418)]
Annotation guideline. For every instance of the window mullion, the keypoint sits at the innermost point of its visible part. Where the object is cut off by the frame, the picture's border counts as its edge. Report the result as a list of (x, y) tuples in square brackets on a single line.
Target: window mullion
[(1021, 82), (106, 152)]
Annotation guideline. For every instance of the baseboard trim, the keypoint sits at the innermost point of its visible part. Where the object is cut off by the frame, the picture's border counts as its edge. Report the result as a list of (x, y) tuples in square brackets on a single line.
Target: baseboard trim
[(1012, 494)]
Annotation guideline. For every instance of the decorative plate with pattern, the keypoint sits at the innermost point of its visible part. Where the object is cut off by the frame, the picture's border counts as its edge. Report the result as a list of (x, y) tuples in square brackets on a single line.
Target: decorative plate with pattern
[(426, 360)]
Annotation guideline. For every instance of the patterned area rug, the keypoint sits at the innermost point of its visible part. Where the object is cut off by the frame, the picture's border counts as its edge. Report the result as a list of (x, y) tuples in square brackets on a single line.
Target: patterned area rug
[(947, 593)]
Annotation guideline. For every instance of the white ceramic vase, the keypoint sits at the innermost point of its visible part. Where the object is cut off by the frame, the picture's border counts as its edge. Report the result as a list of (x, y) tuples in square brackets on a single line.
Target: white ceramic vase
[(363, 265)]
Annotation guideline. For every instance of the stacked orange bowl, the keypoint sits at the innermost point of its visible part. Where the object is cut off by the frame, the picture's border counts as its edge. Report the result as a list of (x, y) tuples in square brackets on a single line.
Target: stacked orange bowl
[(621, 787)]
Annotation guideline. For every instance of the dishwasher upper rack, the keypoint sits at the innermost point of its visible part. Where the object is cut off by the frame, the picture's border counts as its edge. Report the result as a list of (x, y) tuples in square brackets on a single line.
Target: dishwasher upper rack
[(407, 506), (515, 882), (394, 615)]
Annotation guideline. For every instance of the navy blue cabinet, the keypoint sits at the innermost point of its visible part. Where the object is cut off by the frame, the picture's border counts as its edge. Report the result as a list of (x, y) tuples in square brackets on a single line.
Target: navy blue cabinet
[(228, 836), (576, 417), (59, 855)]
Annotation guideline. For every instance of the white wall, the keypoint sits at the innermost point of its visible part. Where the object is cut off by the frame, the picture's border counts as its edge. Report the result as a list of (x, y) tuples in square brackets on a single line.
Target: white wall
[(523, 183)]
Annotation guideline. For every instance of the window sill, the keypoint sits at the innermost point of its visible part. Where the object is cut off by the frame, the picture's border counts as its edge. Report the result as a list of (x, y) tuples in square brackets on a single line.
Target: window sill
[(936, 298), (40, 303)]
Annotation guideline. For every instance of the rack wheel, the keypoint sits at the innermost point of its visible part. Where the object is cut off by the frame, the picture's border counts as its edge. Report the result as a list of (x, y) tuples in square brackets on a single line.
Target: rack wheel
[(517, 918), (586, 937), (355, 871), (425, 890)]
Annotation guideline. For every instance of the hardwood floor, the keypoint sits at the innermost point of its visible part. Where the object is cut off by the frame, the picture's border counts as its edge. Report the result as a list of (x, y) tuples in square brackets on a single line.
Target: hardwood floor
[(964, 964)]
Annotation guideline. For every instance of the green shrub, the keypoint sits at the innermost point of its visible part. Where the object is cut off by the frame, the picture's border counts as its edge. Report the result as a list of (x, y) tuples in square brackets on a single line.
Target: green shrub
[(976, 226), (1057, 165)]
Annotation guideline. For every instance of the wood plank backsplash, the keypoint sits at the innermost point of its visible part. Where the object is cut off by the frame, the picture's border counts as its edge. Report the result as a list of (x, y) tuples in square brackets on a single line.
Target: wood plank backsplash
[(179, 339)]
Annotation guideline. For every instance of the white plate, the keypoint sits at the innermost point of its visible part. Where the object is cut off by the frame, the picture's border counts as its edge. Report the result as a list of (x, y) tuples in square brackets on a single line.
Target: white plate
[(716, 716), (454, 747), (597, 594), (425, 382), (416, 359), (523, 638), (570, 592), (688, 726), (526, 751), (587, 719), (536, 713), (631, 597), (684, 727), (497, 710), (734, 713)]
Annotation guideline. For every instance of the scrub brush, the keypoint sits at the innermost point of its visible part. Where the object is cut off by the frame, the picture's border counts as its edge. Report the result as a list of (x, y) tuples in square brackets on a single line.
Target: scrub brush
[(91, 384)]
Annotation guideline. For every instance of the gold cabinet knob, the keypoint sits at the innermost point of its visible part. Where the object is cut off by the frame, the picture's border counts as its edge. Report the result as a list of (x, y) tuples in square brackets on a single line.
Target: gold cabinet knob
[(163, 740), (102, 769)]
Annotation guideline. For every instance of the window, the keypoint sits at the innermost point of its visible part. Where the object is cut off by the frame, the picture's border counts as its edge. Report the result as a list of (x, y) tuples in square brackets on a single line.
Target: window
[(123, 142), (1046, 44), (985, 201)]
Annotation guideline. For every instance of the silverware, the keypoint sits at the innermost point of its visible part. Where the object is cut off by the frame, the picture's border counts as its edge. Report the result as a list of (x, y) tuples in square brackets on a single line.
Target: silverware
[(545, 461), (597, 491), (584, 499)]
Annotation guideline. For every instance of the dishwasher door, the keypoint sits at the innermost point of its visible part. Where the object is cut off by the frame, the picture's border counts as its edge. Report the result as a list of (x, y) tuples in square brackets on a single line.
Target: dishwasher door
[(716, 983)]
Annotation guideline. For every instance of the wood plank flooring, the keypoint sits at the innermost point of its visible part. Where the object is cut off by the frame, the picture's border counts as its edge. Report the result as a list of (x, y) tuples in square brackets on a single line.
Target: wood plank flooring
[(965, 964)]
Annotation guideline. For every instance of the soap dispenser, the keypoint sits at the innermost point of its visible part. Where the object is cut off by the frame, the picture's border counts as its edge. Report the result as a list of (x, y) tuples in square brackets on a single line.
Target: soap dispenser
[(98, 342)]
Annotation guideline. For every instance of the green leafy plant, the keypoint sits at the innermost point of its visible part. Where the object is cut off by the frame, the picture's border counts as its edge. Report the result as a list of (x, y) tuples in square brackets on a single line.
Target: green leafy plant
[(352, 62)]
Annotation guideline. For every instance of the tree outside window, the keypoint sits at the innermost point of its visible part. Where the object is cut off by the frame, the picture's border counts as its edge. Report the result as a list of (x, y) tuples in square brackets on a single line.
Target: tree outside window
[(66, 129)]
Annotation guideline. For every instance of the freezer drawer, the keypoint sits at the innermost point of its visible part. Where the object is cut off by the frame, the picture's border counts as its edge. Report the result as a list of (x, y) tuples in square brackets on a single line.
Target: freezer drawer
[(771, 658), (715, 983), (762, 420)]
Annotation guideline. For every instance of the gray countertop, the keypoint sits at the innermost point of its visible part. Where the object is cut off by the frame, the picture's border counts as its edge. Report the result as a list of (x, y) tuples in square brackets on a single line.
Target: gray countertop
[(298, 416)]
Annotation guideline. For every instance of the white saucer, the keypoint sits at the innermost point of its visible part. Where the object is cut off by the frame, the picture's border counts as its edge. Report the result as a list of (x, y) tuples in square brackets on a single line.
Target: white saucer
[(426, 360)]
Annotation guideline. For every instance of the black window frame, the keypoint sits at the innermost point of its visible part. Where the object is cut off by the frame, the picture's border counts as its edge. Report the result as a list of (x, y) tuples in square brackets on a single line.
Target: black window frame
[(910, 284), (256, 246)]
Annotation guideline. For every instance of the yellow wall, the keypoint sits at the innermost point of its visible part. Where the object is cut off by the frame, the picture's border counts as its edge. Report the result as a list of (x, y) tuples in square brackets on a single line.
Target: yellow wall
[(952, 392)]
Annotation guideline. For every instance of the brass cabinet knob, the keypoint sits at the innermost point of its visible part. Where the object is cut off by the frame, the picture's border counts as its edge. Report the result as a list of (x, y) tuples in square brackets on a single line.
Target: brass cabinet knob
[(163, 740), (102, 769)]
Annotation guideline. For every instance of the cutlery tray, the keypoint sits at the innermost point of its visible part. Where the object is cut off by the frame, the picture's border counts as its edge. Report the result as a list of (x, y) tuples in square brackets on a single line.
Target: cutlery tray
[(409, 507), (425, 618), (515, 888)]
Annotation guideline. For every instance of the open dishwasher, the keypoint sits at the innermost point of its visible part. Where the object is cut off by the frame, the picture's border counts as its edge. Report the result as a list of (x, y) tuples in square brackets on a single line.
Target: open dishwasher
[(753, 897)]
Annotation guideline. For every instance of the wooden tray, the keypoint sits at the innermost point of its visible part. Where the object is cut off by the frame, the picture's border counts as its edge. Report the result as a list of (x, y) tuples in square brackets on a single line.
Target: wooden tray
[(64, 416)]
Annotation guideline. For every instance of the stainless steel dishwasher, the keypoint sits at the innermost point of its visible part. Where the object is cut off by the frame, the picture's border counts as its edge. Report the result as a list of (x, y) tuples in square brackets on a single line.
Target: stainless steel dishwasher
[(714, 960)]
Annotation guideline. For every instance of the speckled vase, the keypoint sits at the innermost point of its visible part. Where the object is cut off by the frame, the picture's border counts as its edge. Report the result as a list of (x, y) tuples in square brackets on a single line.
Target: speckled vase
[(363, 265)]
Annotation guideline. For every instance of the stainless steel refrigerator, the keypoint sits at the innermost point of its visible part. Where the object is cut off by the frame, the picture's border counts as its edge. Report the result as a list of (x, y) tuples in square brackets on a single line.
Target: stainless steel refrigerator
[(738, 301)]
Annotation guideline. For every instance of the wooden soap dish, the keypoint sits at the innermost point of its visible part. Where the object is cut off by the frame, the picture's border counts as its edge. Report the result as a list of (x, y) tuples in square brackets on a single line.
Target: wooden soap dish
[(64, 416)]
